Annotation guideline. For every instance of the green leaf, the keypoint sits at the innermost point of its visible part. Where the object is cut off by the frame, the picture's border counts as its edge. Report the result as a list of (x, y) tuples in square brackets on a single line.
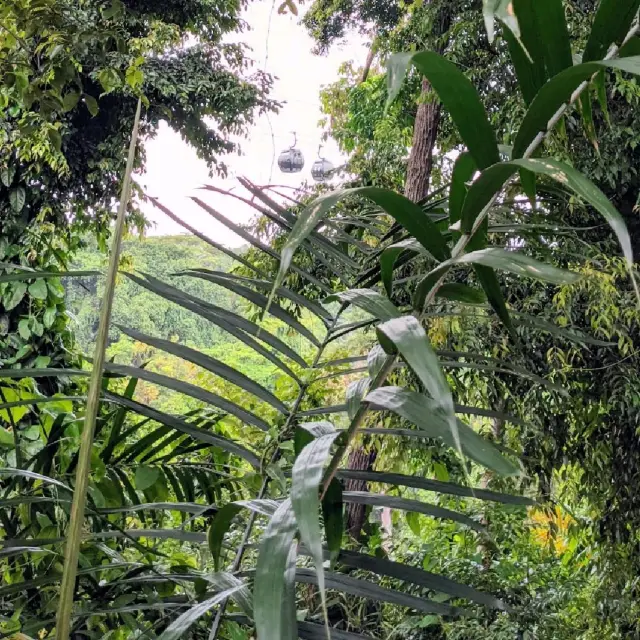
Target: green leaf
[(22, 473), (355, 392), (526, 52), (503, 10), (415, 506), (306, 477), (7, 174), (612, 22), (54, 138), (232, 323), (179, 627), (557, 92), (406, 336), (38, 290), (491, 181), (427, 416), (210, 364), (553, 32), (389, 256), (463, 170), (431, 581), (371, 301), (269, 587), (92, 104), (459, 98), (417, 482), (413, 520), (70, 100), (17, 198), (376, 593), (23, 329), (14, 295), (146, 477), (6, 439), (457, 292)]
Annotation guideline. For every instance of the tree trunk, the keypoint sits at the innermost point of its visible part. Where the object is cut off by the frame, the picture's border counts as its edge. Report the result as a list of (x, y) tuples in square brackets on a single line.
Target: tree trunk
[(361, 460), (425, 130), (425, 133)]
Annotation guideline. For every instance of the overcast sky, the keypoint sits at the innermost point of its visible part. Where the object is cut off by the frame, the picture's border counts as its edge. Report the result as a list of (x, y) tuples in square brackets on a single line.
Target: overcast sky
[(173, 170)]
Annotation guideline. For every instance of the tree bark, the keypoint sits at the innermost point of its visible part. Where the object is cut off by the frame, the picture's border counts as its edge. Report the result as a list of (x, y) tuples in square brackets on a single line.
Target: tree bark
[(361, 460), (425, 133), (425, 130)]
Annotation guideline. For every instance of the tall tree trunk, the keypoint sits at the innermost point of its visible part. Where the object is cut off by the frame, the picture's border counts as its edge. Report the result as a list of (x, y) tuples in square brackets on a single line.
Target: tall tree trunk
[(425, 130), (425, 133)]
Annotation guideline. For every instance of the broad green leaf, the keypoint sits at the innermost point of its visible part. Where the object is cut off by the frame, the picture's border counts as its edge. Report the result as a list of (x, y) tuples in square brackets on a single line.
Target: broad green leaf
[(407, 573), (407, 337), (611, 24), (17, 198), (14, 295), (371, 301), (510, 261), (458, 96), (554, 34), (190, 390), (417, 482), (7, 174), (210, 364), (458, 292), (38, 290), (92, 104), (527, 50), (428, 417), (179, 627), (557, 92), (415, 506), (490, 182), (306, 477), (269, 586), (146, 477)]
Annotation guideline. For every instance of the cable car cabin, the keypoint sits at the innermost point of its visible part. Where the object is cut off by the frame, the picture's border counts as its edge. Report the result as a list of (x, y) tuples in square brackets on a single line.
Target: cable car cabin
[(291, 160), (321, 170)]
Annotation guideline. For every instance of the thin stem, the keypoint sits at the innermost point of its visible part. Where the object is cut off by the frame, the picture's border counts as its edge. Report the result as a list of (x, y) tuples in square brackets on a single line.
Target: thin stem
[(215, 627), (458, 250), (74, 533)]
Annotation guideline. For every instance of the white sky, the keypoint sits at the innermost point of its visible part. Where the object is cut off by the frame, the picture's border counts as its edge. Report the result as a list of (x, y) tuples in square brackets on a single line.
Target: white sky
[(174, 172)]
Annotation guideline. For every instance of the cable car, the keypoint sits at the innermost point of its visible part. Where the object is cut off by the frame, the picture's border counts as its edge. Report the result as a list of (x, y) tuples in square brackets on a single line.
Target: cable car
[(322, 169), (291, 160)]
